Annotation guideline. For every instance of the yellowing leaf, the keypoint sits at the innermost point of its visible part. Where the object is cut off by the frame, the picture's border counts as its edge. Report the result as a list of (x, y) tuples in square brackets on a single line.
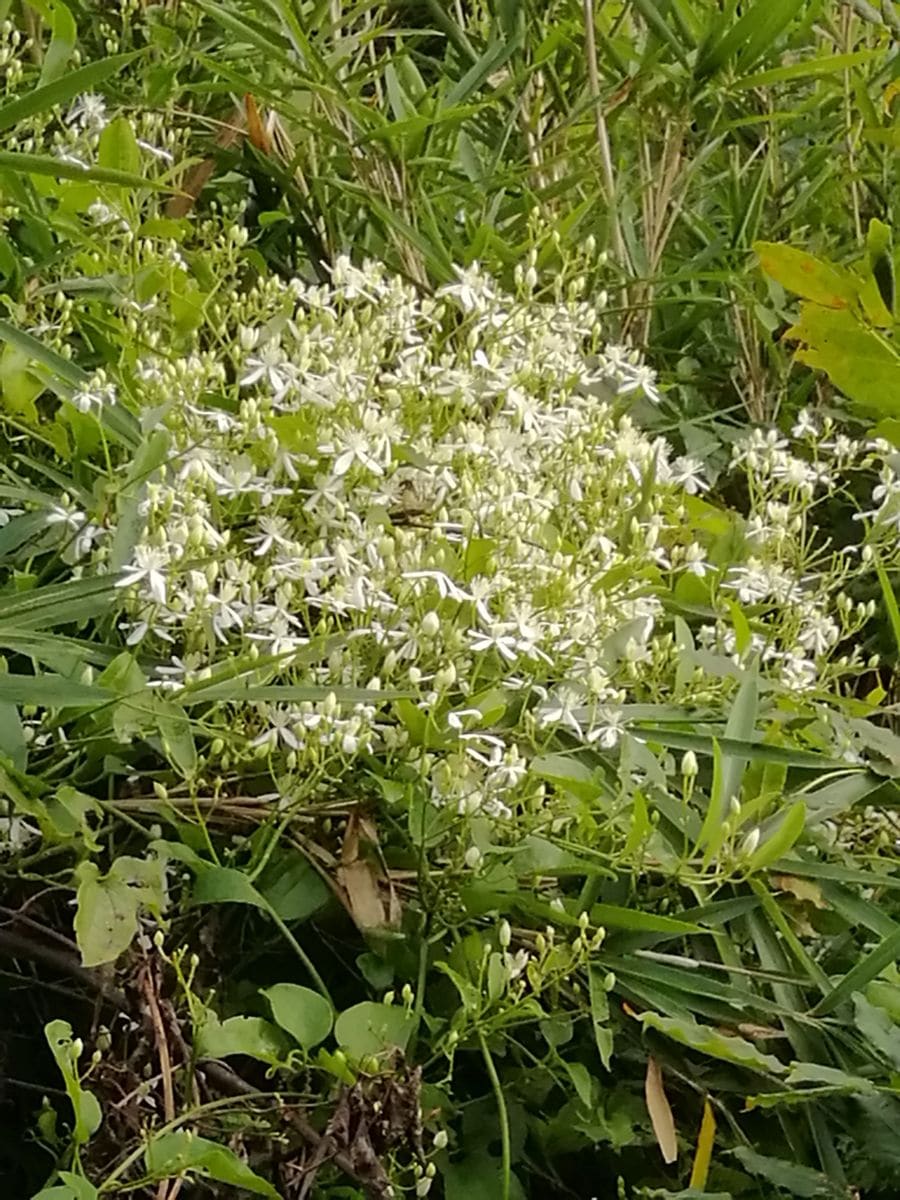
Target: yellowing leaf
[(806, 276), (703, 1153), (660, 1113), (858, 361), (804, 889)]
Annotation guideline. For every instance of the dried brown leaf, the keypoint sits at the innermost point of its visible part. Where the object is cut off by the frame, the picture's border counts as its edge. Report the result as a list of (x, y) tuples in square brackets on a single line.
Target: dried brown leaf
[(660, 1113)]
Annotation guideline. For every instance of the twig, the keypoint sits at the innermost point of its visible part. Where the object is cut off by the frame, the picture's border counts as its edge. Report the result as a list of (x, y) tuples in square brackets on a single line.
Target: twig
[(228, 1081)]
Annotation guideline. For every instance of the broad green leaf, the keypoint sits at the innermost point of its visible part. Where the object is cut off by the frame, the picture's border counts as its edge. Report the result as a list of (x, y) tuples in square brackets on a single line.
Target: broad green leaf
[(567, 772), (118, 149), (253, 1036), (226, 885), (106, 916), (74, 1187), (292, 888), (85, 1106), (582, 1082), (12, 735), (706, 1040), (372, 1028), (181, 1152), (301, 1012)]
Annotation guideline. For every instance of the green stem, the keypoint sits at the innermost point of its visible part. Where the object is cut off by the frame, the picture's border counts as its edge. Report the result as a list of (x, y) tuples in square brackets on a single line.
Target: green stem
[(301, 954), (505, 1147)]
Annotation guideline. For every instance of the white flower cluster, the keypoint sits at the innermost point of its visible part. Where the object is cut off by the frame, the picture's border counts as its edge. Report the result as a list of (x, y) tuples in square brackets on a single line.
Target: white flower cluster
[(367, 487)]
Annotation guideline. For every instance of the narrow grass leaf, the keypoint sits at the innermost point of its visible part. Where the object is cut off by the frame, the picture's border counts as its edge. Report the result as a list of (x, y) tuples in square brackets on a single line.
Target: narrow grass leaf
[(864, 971), (46, 97)]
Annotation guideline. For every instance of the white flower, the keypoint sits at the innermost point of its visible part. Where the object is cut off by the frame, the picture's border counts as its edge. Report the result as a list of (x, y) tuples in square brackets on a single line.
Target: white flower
[(268, 364), (806, 424), (565, 707), (88, 113), (281, 724), (695, 562), (148, 567), (274, 532), (608, 731)]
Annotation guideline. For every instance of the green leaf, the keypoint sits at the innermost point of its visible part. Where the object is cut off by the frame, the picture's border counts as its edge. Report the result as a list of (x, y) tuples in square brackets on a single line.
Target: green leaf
[(180, 1152), (709, 1041), (603, 1036), (786, 1176), (253, 1036), (177, 737), (865, 970), (62, 43), (12, 736), (85, 1105), (106, 917), (74, 1187), (226, 885), (46, 97), (118, 149), (51, 691), (292, 888), (807, 68), (582, 1082), (371, 1028), (789, 828), (877, 1027), (301, 1012), (57, 168)]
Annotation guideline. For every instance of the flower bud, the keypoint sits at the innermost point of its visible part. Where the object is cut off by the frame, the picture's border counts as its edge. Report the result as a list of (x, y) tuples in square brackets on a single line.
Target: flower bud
[(689, 765), (504, 934)]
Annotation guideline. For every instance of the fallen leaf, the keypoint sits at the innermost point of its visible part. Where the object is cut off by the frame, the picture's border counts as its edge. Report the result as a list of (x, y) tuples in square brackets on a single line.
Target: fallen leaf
[(660, 1113)]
